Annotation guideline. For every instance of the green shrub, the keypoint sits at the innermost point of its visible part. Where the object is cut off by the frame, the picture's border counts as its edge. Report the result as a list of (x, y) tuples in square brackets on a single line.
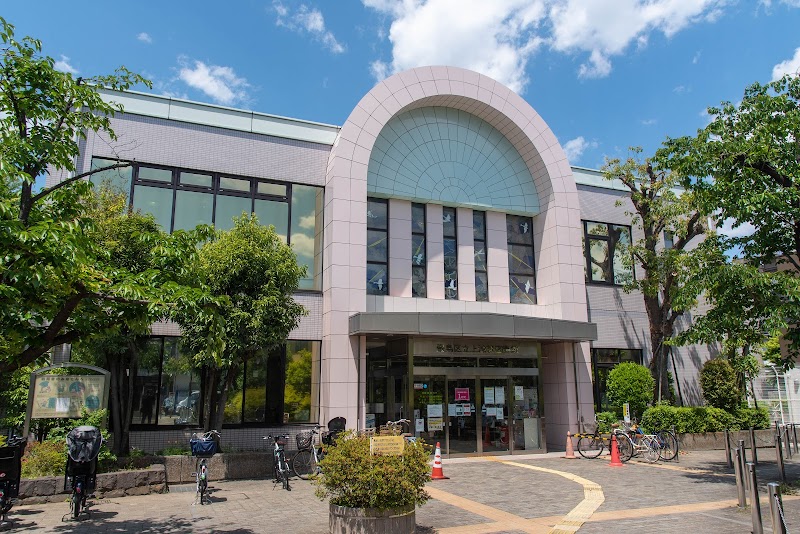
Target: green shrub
[(48, 458), (661, 417), (631, 383), (720, 385), (354, 478), (175, 450), (604, 421), (717, 420), (757, 418)]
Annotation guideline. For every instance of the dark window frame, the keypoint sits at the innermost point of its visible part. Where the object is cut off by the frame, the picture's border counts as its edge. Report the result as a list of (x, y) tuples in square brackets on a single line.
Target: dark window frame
[(637, 357), (385, 264), (424, 235), (587, 256), (529, 243)]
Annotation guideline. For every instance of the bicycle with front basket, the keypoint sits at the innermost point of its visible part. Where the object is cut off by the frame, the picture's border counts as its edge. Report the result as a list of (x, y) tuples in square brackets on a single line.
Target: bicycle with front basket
[(203, 446), (305, 463), (592, 445), (280, 467)]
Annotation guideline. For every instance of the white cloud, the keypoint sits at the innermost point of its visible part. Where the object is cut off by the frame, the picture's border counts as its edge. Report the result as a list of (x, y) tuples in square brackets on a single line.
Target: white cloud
[(307, 20), (145, 37), (64, 66), (696, 58), (649, 122), (496, 38), (790, 66), (220, 83), (728, 229), (574, 148), (679, 89), (790, 3)]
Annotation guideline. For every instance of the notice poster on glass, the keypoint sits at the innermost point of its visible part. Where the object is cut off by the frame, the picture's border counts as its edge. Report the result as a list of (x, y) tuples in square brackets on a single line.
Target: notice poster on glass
[(518, 394), (462, 394), (488, 395), (369, 420), (434, 410), (490, 411), (434, 424), (420, 426), (500, 395), (452, 410)]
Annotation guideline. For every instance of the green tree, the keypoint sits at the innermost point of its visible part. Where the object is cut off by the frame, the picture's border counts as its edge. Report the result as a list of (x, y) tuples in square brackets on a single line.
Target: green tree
[(256, 274), (668, 285), (720, 385), (632, 383), (744, 167)]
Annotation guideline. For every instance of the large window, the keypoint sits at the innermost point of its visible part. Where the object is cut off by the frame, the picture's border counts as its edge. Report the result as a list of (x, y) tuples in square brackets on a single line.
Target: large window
[(603, 361), (449, 229), (181, 199), (521, 277), (377, 247), (606, 250), (481, 277), (418, 256)]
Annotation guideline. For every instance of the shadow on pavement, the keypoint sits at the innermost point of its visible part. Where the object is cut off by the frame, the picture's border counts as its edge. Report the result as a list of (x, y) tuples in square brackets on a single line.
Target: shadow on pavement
[(172, 524)]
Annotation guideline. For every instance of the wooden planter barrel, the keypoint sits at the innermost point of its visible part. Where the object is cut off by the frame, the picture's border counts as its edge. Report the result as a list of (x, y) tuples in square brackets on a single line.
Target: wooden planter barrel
[(344, 520)]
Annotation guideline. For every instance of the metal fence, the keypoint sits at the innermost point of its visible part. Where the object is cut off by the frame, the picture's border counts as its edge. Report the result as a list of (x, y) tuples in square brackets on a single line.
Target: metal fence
[(779, 392)]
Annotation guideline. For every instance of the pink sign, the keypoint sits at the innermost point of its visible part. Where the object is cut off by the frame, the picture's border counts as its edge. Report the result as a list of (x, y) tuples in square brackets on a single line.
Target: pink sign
[(462, 394)]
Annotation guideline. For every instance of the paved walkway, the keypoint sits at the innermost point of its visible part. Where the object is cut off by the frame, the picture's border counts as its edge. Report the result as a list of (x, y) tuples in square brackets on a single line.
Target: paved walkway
[(484, 495)]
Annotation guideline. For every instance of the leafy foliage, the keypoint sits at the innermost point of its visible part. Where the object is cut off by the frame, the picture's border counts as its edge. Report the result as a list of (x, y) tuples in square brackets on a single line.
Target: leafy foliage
[(605, 420), (720, 385), (354, 478), (632, 383), (46, 458), (703, 419)]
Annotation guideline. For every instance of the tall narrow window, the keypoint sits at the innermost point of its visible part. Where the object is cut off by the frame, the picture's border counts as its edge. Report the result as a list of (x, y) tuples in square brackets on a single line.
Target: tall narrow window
[(481, 278), (377, 247), (450, 253), (606, 247), (521, 279), (418, 258)]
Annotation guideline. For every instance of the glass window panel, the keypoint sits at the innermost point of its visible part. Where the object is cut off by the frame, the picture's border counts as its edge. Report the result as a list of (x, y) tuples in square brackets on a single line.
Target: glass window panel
[(598, 257), (606, 356), (479, 225), (228, 208), (519, 229), (266, 188), (377, 214), (119, 180), (145, 386), (180, 384), (191, 178), (156, 201), (276, 374), (520, 259), (596, 228), (419, 286), (255, 389), (481, 287), (234, 184), (418, 250), (192, 208), (450, 254), (623, 272), (302, 381), (306, 239), (418, 218), (377, 281), (480, 256), (669, 239), (233, 406), (157, 175), (522, 289), (449, 222), (271, 212), (377, 245)]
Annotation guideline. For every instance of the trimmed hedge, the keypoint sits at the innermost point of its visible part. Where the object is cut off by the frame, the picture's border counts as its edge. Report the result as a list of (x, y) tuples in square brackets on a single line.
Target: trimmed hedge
[(695, 420)]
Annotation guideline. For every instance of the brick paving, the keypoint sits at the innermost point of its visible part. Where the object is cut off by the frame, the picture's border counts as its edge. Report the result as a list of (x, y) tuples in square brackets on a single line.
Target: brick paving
[(483, 495)]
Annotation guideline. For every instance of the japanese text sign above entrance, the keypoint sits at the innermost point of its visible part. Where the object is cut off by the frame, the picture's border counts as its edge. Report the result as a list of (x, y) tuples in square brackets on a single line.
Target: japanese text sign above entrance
[(388, 445), (67, 395), (476, 348)]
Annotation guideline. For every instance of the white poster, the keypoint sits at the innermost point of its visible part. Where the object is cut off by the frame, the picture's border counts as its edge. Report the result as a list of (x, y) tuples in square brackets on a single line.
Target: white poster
[(500, 395), (452, 410), (420, 427), (498, 412), (490, 411), (488, 395), (434, 424), (434, 410), (518, 395)]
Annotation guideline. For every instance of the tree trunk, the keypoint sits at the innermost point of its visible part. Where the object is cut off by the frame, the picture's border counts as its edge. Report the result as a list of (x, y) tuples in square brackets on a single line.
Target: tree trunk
[(210, 397)]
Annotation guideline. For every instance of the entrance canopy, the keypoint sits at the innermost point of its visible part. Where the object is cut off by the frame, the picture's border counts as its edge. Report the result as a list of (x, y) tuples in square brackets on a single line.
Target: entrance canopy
[(471, 325)]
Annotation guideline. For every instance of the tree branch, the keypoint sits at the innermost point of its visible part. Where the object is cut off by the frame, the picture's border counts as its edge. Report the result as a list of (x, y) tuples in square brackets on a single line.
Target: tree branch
[(45, 192)]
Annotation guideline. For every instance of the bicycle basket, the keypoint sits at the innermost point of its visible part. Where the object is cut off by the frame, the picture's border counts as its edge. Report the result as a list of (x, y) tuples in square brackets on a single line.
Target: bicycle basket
[(203, 448), (328, 438), (282, 441), (304, 440)]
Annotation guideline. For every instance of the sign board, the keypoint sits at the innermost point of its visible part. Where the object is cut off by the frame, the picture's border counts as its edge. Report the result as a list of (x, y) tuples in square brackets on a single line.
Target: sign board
[(388, 445), (67, 395), (462, 394), (626, 412)]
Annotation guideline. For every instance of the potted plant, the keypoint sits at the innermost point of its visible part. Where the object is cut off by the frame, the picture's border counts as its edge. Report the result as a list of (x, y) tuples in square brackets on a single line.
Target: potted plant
[(373, 492)]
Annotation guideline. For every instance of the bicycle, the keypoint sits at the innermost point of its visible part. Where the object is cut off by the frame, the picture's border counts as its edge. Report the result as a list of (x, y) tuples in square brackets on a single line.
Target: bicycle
[(10, 472), (592, 445), (397, 428), (664, 441), (280, 467), (83, 447), (305, 463), (203, 447)]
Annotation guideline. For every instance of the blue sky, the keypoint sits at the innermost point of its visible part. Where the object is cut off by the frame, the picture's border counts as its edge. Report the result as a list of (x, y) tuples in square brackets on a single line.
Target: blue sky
[(604, 74)]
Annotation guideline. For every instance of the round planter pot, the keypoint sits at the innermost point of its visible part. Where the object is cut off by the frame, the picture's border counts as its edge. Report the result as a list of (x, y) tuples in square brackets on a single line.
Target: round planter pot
[(343, 520)]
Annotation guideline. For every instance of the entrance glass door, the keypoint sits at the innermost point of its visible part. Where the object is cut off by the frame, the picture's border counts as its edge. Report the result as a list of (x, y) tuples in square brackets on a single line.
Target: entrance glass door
[(494, 415), (526, 417), (429, 410), (462, 417)]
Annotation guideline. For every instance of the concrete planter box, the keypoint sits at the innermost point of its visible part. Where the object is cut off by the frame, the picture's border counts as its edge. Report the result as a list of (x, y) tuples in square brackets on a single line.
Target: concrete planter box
[(117, 484), (716, 440), (343, 520), (226, 466)]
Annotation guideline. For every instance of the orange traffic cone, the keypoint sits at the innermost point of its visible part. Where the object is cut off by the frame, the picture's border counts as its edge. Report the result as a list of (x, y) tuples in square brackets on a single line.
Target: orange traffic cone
[(570, 454), (437, 473), (615, 462)]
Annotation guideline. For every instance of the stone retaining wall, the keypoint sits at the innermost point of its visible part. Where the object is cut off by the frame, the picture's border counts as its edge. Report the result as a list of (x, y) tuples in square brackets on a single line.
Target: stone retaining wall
[(226, 466), (716, 440), (116, 484)]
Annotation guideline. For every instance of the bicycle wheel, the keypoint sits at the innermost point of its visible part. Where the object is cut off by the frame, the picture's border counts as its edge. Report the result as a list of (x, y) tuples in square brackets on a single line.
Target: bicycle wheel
[(284, 467), (652, 453), (303, 464), (202, 487), (668, 445), (75, 504), (624, 447), (590, 446)]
